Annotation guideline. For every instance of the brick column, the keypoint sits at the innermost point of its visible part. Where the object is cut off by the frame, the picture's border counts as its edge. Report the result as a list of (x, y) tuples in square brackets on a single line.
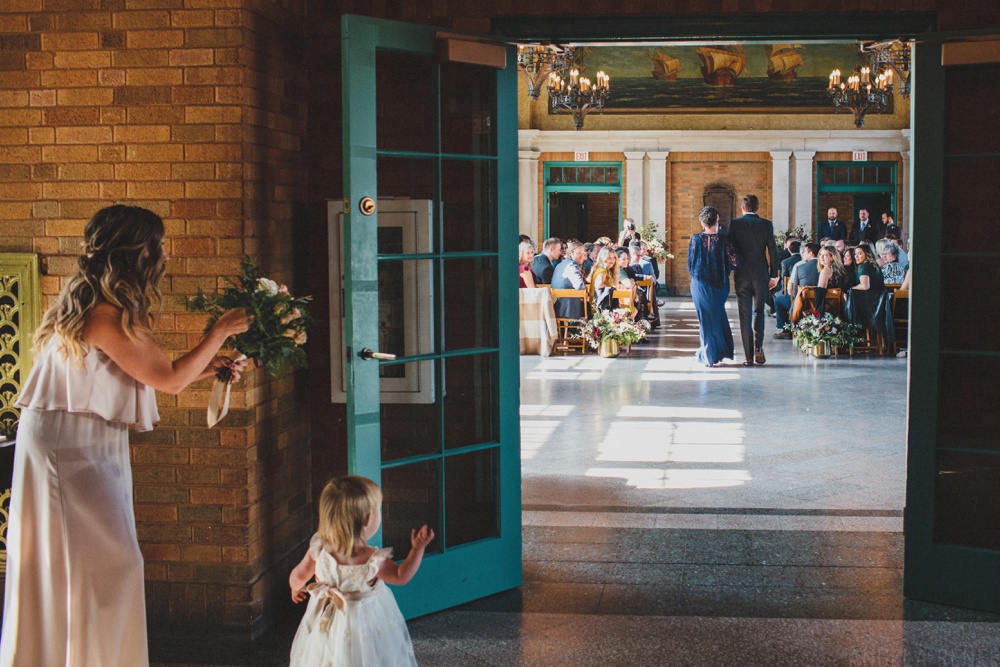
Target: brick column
[(803, 195)]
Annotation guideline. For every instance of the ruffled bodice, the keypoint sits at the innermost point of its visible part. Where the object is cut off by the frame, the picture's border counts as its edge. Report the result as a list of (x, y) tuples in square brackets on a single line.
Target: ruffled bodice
[(346, 578), (98, 386)]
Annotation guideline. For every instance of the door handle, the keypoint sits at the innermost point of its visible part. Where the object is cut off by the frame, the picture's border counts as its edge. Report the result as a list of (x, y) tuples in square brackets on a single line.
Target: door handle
[(367, 353)]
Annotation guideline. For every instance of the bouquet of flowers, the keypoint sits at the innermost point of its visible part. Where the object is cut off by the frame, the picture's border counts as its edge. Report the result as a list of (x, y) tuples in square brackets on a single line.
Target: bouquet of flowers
[(799, 233), (814, 328), (657, 248), (616, 325), (275, 337)]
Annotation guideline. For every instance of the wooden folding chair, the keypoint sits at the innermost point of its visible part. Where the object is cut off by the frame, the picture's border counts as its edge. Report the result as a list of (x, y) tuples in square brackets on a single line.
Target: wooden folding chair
[(626, 300), (566, 327)]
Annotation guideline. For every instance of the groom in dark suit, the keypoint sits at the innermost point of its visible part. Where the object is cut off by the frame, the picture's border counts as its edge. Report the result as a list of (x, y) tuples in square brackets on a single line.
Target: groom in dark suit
[(753, 237)]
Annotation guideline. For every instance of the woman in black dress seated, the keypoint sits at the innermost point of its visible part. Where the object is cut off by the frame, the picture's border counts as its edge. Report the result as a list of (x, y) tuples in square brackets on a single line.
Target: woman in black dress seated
[(867, 301)]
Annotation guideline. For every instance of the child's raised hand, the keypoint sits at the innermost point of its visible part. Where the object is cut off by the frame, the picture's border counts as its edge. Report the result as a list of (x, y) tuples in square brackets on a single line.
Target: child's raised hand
[(298, 595), (421, 538)]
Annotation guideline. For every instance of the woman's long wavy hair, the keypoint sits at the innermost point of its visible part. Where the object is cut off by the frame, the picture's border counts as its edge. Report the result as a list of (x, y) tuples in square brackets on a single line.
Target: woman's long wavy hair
[(345, 506), (122, 264)]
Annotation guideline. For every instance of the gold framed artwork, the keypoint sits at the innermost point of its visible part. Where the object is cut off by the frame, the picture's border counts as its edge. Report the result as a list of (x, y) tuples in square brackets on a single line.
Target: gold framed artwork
[(720, 78)]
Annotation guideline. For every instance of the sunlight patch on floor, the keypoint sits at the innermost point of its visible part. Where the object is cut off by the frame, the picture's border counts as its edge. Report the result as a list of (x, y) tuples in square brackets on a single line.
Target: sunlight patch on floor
[(658, 478), (528, 410), (662, 442), (668, 412), (684, 377), (534, 435)]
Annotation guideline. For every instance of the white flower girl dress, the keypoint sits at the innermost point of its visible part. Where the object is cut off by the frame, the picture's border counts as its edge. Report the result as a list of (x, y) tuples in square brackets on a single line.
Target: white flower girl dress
[(352, 619)]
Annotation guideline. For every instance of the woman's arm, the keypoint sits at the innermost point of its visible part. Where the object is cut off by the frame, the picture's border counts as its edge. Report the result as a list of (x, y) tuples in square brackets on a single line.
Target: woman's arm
[(143, 359), (300, 576), (401, 573), (864, 282), (528, 277), (906, 281)]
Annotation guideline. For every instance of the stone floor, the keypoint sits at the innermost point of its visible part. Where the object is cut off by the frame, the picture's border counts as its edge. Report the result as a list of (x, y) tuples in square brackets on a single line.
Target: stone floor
[(678, 515)]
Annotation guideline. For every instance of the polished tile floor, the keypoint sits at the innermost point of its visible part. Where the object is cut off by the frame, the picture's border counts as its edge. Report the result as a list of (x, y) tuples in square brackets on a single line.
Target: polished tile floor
[(678, 515)]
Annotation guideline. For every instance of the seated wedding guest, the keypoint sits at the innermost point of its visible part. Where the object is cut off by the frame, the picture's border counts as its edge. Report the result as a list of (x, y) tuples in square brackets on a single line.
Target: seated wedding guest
[(588, 263), (804, 274), (832, 275), (524, 238), (848, 257), (639, 256), (867, 300), (525, 255), (603, 278), (785, 253), (543, 265), (563, 254), (892, 270), (604, 242), (841, 246), (790, 262), (627, 275), (570, 276)]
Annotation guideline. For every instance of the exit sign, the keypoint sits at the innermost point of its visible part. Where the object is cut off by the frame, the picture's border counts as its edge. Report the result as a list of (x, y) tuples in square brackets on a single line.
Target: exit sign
[(860, 156), (581, 156)]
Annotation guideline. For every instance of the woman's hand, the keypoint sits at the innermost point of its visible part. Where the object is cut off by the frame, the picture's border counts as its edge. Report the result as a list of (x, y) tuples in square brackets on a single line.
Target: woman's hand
[(219, 362), (233, 322), (298, 595)]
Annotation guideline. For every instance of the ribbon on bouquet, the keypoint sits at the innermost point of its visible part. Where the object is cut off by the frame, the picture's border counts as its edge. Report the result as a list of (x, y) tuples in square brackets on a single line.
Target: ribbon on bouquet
[(218, 400)]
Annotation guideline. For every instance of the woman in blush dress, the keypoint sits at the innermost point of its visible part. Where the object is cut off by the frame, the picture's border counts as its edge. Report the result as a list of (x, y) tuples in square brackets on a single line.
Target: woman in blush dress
[(525, 255), (75, 589), (711, 258)]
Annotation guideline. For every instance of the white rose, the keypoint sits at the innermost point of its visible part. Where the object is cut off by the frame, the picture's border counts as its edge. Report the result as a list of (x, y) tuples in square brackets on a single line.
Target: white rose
[(266, 285)]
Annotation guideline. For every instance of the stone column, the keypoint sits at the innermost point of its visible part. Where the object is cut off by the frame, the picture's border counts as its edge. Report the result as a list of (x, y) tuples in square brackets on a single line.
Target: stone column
[(527, 188), (802, 211), (902, 215), (780, 189), (634, 186), (657, 211)]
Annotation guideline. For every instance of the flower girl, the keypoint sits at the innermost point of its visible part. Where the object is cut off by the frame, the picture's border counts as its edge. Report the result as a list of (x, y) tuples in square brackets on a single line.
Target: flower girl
[(352, 619)]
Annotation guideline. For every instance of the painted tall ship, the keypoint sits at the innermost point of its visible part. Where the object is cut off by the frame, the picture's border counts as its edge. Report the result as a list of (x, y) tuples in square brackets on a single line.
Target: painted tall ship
[(782, 61), (665, 68), (721, 64)]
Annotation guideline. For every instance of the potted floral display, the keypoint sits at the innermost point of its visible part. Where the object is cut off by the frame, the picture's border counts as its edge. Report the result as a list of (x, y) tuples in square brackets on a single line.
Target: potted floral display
[(607, 331), (824, 334)]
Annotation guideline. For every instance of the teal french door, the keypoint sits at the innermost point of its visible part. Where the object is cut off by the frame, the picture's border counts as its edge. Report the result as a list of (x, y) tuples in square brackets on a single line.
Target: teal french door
[(952, 522), (428, 137)]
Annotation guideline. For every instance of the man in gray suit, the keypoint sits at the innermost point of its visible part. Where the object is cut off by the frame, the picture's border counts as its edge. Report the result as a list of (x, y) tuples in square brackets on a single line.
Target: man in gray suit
[(753, 237), (569, 275), (804, 274)]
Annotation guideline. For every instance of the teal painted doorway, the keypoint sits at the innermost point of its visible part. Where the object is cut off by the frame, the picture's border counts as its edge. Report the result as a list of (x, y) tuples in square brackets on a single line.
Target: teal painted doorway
[(437, 427)]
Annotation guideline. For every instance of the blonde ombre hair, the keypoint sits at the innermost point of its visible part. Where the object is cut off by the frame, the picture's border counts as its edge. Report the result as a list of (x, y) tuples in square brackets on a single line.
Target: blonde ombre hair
[(122, 264), (345, 506)]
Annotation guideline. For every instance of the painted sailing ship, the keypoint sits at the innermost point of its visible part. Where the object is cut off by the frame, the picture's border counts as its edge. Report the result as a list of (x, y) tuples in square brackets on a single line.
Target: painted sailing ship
[(782, 61), (721, 64), (665, 68)]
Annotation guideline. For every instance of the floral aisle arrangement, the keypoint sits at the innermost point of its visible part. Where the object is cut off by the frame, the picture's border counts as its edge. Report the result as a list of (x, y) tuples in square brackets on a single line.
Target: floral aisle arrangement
[(798, 233), (815, 331), (657, 248), (275, 337), (607, 330)]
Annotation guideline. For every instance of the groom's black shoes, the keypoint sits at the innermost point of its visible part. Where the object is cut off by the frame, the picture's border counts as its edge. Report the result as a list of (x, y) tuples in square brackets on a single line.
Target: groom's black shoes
[(748, 362), (758, 356)]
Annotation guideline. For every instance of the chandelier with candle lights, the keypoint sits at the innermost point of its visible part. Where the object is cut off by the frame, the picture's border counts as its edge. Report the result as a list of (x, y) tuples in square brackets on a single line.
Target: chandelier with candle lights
[(578, 94), (536, 62), (869, 88)]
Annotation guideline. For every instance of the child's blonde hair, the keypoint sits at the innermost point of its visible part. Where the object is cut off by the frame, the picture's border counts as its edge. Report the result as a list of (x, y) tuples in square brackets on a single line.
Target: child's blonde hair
[(345, 506)]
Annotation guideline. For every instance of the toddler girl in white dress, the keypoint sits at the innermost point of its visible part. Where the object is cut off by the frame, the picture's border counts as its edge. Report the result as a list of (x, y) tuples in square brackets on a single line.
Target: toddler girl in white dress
[(352, 619)]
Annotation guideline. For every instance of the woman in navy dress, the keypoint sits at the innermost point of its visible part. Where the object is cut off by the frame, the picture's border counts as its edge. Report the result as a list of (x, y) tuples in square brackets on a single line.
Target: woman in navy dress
[(711, 258)]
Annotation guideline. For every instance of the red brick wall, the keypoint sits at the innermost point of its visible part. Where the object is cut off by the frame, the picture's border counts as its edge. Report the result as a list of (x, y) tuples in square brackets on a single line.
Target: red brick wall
[(195, 110), (689, 175)]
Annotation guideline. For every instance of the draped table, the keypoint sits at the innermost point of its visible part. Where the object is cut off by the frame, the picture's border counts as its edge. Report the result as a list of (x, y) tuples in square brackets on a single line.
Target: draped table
[(537, 321)]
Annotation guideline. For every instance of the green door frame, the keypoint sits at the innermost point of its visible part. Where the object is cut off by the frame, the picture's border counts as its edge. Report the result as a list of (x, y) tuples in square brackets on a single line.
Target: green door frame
[(467, 571), (856, 188), (579, 187), (950, 575)]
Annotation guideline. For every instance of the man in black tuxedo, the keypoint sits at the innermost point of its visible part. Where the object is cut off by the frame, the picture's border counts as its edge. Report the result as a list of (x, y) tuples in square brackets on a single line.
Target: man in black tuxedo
[(753, 237), (832, 228), (863, 230)]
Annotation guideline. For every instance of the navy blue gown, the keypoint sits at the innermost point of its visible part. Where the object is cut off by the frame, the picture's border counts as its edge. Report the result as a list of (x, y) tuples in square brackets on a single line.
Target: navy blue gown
[(711, 258)]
